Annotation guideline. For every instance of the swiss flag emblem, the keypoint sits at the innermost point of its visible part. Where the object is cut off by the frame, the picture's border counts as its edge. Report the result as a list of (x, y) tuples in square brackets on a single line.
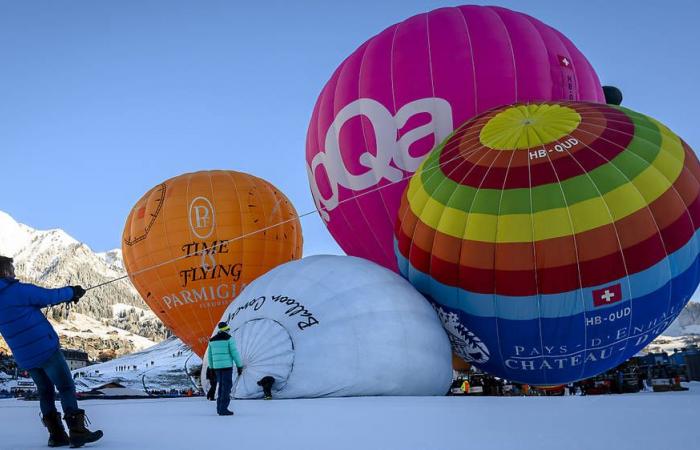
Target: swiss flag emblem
[(564, 61), (607, 295)]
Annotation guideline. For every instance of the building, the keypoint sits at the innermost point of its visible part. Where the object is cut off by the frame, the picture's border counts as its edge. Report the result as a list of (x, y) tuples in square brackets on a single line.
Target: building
[(76, 359), (653, 359), (692, 358), (689, 358), (23, 385)]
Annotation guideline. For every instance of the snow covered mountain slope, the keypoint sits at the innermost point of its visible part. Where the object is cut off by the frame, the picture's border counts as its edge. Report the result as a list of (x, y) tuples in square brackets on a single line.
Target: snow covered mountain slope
[(13, 236), (162, 367), (687, 323), (96, 338), (113, 259), (671, 344), (52, 258)]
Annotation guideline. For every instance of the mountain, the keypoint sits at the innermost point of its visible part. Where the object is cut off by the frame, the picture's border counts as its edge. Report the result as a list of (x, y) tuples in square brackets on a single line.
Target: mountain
[(670, 344), (109, 321), (683, 332), (687, 322)]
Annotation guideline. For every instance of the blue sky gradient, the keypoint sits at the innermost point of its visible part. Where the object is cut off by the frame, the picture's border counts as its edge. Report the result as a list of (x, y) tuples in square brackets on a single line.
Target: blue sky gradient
[(100, 101)]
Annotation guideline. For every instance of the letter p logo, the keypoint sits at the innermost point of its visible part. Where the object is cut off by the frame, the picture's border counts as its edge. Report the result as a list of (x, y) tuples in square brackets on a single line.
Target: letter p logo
[(202, 217)]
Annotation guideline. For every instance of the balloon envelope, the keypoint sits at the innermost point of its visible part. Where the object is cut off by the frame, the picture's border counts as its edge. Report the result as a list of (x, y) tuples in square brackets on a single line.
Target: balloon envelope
[(557, 239), (175, 249), (371, 334), (404, 90)]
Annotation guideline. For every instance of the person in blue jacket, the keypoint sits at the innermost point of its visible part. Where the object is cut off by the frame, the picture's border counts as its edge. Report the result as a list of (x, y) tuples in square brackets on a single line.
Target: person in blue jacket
[(222, 356), (35, 347)]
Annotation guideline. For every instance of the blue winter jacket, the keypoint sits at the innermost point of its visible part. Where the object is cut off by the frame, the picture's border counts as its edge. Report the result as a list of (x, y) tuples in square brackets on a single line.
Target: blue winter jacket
[(29, 335)]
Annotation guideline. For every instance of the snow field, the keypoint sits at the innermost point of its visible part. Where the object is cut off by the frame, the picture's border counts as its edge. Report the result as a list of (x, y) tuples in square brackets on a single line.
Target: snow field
[(630, 421)]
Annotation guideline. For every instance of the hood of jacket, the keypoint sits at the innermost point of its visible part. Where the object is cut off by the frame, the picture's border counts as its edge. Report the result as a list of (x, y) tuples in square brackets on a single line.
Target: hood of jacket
[(220, 336), (5, 282)]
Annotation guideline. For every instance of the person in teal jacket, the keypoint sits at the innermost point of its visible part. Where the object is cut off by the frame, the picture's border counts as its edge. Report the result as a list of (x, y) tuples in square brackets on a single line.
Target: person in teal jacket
[(222, 356)]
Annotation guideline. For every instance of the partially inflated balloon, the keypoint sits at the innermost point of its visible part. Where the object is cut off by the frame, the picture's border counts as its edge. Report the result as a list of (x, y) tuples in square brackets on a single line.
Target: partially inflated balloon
[(371, 334), (404, 90), (556, 239), (192, 243)]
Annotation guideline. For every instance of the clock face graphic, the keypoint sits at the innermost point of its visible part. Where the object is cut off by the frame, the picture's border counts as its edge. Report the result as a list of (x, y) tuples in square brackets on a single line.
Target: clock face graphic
[(158, 196)]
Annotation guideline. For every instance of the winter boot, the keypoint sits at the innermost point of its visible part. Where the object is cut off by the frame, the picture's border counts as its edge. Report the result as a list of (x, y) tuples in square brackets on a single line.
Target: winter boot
[(79, 435), (57, 434)]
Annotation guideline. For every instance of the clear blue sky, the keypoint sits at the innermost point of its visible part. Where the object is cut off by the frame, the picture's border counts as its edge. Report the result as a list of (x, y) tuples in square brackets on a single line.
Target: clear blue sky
[(101, 100)]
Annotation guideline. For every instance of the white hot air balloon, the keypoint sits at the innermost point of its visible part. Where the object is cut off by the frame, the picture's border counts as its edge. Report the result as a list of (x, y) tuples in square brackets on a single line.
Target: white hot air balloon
[(334, 326)]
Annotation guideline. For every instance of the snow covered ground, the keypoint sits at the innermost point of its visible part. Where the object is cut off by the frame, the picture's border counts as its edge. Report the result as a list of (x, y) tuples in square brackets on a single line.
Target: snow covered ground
[(160, 367), (631, 421)]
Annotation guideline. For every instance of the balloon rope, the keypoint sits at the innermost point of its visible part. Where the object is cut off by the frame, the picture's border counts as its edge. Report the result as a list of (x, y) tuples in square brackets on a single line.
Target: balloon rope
[(308, 213), (202, 252)]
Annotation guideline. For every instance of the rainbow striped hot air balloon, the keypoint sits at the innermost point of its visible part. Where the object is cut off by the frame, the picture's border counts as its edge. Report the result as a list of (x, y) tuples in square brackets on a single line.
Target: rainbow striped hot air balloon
[(555, 239)]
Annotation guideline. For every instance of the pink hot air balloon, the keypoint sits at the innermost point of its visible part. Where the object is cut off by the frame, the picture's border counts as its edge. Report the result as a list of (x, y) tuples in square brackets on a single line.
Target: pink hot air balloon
[(404, 90)]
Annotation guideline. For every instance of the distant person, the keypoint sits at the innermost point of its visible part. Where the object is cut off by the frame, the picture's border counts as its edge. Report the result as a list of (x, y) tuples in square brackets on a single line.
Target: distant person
[(266, 383), (620, 382), (585, 386), (222, 356), (677, 381), (465, 386), (211, 377), (35, 346)]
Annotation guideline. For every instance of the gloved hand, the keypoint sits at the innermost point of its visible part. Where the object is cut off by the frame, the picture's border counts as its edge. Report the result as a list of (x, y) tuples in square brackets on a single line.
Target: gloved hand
[(78, 292), (239, 370)]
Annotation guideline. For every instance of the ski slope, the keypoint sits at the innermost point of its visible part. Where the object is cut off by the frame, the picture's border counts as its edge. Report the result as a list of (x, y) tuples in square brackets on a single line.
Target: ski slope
[(631, 421), (160, 367)]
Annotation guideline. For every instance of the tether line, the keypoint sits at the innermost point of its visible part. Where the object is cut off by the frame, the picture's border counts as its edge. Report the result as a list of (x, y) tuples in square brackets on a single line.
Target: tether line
[(308, 213)]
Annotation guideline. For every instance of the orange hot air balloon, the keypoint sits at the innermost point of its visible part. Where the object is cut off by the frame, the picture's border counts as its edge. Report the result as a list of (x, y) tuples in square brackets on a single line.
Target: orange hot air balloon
[(192, 243)]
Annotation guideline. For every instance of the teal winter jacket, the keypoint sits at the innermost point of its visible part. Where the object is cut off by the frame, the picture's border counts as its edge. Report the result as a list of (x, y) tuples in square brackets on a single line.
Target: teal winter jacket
[(223, 353)]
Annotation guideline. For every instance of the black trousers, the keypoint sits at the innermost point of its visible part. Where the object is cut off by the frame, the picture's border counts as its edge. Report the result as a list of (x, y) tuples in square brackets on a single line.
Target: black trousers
[(212, 389), (266, 383), (225, 379)]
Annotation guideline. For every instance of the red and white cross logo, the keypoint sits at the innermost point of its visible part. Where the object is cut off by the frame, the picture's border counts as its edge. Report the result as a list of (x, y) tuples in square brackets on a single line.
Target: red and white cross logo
[(607, 295)]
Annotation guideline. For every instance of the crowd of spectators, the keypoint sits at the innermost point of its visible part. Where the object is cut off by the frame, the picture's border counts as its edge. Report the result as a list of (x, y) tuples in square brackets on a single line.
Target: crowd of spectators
[(172, 393), (633, 375)]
